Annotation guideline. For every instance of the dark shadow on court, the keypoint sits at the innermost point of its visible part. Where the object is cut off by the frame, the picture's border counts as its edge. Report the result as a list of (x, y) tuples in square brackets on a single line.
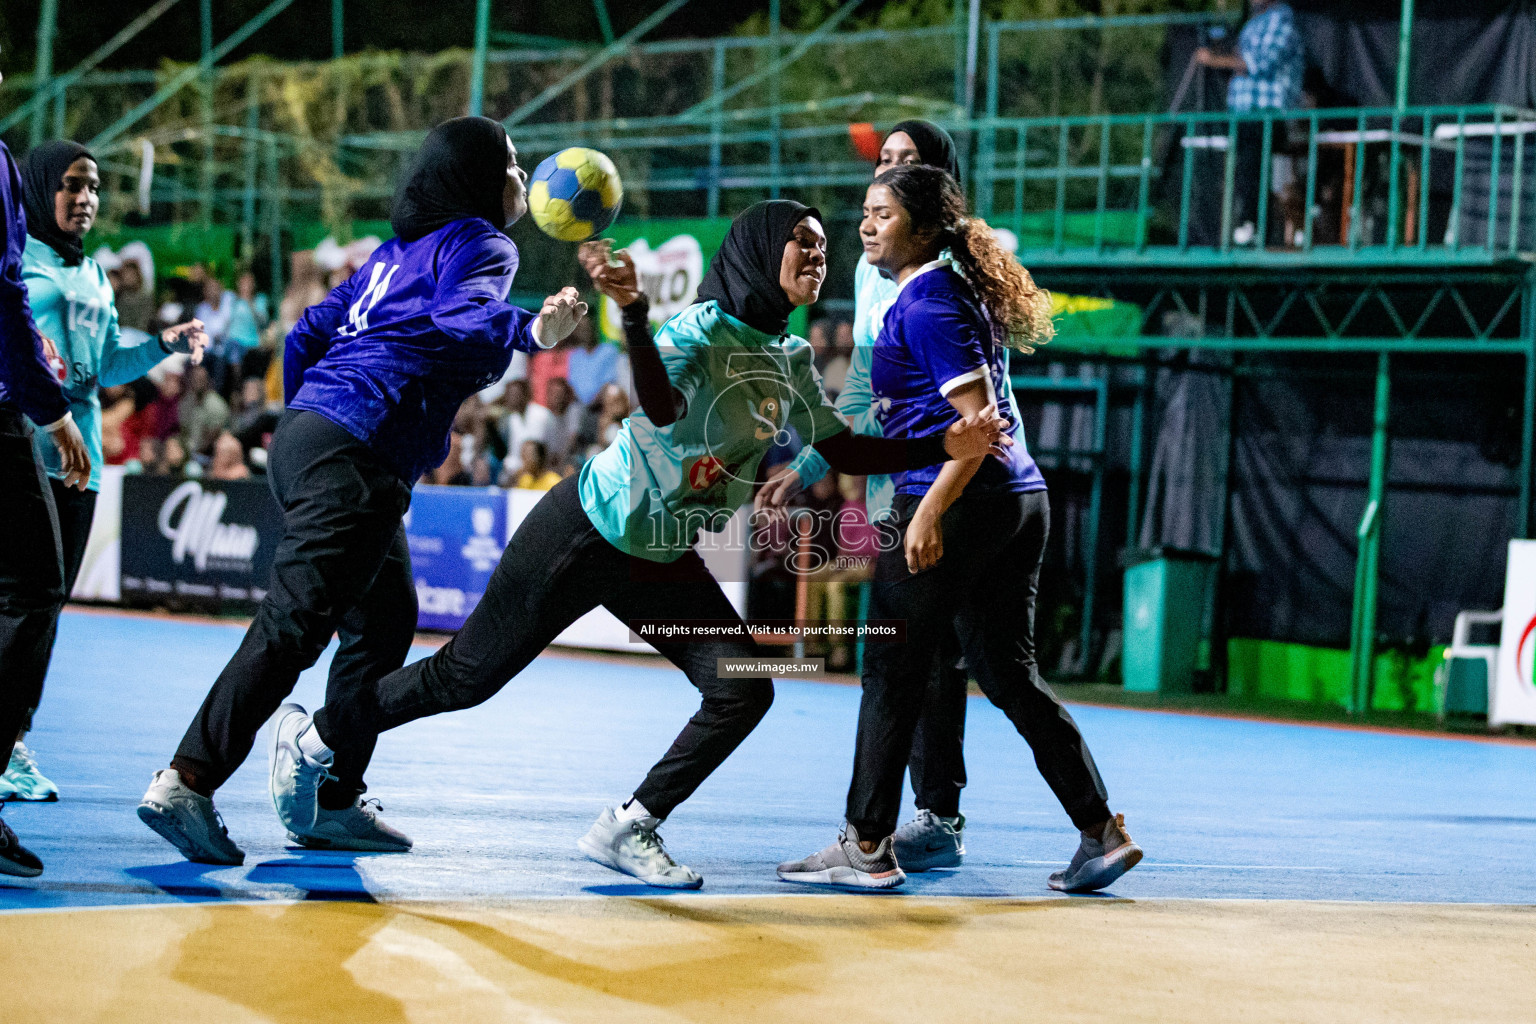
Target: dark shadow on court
[(182, 879)]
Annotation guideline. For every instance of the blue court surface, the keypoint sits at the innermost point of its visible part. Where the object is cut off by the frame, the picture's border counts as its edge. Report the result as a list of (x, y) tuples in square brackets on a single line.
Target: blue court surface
[(497, 796)]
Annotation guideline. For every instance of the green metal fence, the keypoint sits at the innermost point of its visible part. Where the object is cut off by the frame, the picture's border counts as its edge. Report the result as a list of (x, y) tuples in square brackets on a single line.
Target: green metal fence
[(1446, 184)]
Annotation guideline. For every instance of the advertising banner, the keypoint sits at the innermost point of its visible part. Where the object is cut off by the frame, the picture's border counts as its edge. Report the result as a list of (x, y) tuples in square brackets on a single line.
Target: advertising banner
[(100, 576), (456, 536), (197, 544), (1513, 701), (670, 257)]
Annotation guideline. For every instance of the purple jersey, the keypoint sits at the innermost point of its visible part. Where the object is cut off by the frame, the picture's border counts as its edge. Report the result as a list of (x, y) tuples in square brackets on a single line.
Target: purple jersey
[(936, 337), (26, 380), (394, 350)]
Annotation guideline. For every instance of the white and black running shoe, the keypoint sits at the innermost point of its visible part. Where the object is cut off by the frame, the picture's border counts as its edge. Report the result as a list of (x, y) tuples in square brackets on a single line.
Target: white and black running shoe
[(16, 859), (188, 821)]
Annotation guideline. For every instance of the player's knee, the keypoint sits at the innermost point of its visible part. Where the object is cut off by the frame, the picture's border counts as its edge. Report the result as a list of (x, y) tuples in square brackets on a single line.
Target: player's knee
[(460, 682), (745, 700)]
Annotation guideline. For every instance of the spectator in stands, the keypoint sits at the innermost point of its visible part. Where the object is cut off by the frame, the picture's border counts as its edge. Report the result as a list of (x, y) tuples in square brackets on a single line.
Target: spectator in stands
[(592, 363), (537, 474), (525, 420), (228, 459), (160, 417), (136, 292), (451, 473), (203, 412), (248, 316), (600, 422), (254, 418), (1268, 68), (565, 420), (546, 365), (116, 406)]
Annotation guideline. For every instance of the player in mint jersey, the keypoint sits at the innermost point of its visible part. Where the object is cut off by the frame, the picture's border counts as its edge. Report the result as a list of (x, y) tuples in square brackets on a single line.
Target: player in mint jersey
[(935, 837), (717, 387), (973, 533), (373, 375), (73, 306)]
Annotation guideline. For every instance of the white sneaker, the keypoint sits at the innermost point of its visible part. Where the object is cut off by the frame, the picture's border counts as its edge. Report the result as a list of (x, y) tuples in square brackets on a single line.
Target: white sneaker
[(634, 848), (844, 864), (353, 828), (23, 781), (188, 821), (295, 778), (929, 841)]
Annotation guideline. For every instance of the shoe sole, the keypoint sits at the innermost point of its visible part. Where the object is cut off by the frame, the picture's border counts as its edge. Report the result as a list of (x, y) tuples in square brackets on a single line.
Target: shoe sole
[(10, 867), (348, 846), (940, 859), (846, 877), (278, 718), (1102, 871), (165, 825), (599, 854), (51, 798)]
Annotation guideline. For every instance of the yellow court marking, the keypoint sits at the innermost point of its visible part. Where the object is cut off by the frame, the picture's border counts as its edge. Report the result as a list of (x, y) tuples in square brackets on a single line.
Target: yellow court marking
[(871, 959)]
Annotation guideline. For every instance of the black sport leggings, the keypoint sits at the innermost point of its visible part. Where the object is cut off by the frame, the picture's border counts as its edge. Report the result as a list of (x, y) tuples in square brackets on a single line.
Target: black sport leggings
[(984, 588), (556, 568), (343, 568)]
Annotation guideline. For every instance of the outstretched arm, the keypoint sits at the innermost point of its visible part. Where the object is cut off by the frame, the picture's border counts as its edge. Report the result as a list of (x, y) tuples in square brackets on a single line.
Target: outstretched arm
[(313, 336), (662, 404)]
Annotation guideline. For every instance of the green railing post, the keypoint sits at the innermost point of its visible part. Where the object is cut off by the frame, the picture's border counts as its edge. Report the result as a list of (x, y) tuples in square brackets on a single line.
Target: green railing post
[(1528, 410), (1404, 52), (1362, 647), (1095, 511), (477, 65), (1137, 455), (774, 85), (248, 193), (47, 22), (274, 196), (337, 48), (205, 86), (987, 144), (717, 79)]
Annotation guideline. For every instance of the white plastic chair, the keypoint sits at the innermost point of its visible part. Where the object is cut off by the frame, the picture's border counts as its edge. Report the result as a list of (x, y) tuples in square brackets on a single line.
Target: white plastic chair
[(1461, 649)]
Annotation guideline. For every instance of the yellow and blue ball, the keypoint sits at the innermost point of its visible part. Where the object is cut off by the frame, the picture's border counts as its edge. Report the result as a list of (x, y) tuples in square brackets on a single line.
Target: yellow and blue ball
[(575, 194)]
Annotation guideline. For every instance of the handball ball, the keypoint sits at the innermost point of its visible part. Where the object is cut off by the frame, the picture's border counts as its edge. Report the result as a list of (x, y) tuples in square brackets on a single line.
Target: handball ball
[(575, 194)]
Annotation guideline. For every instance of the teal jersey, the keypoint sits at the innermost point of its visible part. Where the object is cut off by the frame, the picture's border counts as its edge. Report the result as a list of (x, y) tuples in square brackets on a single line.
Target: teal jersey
[(654, 488), (74, 307), (873, 294)]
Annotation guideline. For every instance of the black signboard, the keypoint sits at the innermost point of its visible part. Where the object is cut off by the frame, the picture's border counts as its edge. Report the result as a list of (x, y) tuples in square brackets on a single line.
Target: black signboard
[(198, 544)]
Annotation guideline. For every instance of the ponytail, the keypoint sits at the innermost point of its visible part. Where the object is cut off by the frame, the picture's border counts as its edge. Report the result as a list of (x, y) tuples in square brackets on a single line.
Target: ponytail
[(1005, 288), (933, 201)]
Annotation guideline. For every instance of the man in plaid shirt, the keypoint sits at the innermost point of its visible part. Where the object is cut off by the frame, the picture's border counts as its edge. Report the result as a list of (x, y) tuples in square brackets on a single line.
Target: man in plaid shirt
[(1268, 69)]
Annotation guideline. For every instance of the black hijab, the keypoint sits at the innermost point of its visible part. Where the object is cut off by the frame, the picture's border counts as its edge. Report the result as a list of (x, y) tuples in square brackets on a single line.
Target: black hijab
[(934, 145), (460, 171), (744, 275), (42, 179)]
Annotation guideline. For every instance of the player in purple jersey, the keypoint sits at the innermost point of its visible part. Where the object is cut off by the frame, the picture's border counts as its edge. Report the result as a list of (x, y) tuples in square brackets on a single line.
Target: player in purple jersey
[(373, 376), (973, 532)]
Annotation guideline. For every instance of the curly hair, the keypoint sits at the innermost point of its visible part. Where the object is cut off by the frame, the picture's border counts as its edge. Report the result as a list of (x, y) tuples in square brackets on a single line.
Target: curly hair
[(934, 202)]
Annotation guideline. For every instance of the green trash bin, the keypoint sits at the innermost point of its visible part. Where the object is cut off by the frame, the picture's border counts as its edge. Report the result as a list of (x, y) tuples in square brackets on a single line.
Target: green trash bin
[(1165, 599)]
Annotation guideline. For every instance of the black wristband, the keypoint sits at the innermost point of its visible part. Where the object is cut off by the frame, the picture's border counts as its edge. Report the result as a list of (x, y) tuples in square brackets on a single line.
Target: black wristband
[(926, 451), (637, 313)]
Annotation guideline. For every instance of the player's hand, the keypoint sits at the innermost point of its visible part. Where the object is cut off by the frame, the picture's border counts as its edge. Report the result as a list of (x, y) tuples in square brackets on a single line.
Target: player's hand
[(187, 339), (76, 460), (925, 540), (981, 433), (778, 491), (612, 273), (561, 312)]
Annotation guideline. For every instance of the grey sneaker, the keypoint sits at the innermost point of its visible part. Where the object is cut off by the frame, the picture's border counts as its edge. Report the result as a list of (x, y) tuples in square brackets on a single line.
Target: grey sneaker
[(928, 841), (634, 848), (1099, 860), (353, 828), (187, 820), (295, 779), (843, 863), (16, 859)]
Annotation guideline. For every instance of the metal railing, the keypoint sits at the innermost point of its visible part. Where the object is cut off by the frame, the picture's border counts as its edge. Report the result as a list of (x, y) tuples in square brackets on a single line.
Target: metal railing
[(1422, 184)]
